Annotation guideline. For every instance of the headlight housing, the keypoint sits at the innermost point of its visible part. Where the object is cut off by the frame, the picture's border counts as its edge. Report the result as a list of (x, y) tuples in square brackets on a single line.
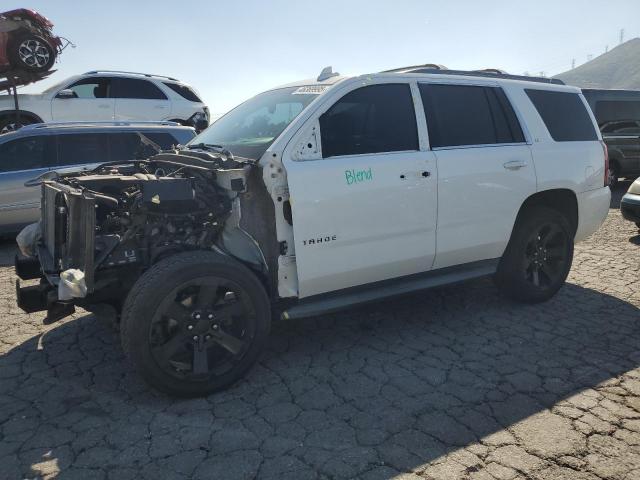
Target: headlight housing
[(634, 189)]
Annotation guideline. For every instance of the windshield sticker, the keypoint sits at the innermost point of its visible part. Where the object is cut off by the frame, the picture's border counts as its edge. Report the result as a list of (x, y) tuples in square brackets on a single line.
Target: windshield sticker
[(352, 176), (310, 89)]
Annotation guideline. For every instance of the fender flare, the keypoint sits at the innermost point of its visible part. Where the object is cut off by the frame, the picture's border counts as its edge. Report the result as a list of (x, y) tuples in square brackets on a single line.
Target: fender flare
[(25, 113)]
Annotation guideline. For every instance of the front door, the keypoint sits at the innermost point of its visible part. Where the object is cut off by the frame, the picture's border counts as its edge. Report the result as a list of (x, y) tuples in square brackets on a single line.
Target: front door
[(21, 160), (366, 210), (90, 102)]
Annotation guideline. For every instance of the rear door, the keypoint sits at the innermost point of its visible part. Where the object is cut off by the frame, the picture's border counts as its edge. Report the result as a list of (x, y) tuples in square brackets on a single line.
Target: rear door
[(138, 99), (485, 169), (22, 159), (91, 102), (366, 210)]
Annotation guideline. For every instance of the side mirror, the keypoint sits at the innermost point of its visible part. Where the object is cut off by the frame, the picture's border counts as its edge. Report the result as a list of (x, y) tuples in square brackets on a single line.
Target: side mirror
[(66, 93)]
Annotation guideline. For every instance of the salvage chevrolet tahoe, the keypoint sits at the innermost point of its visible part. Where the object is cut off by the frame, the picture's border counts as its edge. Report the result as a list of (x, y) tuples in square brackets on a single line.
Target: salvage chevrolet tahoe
[(316, 196)]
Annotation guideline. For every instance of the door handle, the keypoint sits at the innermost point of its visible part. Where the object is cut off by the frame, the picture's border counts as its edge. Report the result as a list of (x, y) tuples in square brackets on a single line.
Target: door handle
[(423, 174), (514, 165), (104, 105), (160, 107)]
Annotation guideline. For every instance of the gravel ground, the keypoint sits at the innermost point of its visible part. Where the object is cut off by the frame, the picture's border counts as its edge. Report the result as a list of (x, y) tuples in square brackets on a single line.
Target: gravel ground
[(455, 383)]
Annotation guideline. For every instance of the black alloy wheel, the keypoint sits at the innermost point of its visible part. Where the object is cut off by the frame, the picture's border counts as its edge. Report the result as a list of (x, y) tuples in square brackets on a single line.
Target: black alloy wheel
[(546, 256), (538, 257), (203, 327), (195, 322)]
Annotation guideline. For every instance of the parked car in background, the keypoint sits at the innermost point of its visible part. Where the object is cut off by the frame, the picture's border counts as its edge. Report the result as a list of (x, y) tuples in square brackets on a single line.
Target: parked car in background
[(27, 41), (618, 115), (630, 203), (108, 96), (623, 141), (36, 149), (317, 196)]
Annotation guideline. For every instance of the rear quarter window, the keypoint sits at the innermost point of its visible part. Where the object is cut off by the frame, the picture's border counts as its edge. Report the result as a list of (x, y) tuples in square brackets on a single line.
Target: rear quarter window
[(564, 114), (182, 137), (184, 91)]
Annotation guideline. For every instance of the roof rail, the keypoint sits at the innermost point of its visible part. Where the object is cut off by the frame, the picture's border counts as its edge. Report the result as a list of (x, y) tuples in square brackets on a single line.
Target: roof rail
[(35, 126), (434, 66), (93, 72), (486, 73)]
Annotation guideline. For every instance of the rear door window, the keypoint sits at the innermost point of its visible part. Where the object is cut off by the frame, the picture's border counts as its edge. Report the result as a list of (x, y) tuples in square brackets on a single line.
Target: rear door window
[(81, 148), (136, 88), (372, 119), (463, 115), (564, 115), (24, 154)]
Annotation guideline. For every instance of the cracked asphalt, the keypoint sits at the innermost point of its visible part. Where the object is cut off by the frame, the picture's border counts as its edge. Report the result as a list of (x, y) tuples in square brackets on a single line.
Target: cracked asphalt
[(454, 383)]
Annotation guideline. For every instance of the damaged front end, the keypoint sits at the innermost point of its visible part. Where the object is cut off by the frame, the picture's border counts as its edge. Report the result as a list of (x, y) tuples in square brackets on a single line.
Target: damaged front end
[(100, 230)]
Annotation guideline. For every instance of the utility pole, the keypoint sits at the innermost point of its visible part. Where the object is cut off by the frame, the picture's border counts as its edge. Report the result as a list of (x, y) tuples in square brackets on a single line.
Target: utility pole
[(606, 49), (573, 63), (589, 57), (621, 35)]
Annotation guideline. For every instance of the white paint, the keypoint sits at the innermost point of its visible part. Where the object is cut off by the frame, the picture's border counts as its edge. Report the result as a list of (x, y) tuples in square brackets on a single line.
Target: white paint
[(388, 227)]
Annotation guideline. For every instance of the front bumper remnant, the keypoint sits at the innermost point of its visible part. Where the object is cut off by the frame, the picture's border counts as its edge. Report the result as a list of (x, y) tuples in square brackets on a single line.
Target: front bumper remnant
[(41, 297)]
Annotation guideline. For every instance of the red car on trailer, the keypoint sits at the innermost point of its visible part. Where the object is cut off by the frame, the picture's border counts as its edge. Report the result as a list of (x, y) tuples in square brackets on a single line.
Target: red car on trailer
[(27, 42)]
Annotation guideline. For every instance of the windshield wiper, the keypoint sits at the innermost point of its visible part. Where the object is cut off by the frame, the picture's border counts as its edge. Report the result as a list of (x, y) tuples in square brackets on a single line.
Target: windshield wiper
[(211, 147), (204, 146)]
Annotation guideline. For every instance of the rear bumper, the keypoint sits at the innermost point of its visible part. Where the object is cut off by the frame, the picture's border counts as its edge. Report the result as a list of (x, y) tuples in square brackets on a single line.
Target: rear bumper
[(630, 207), (593, 207)]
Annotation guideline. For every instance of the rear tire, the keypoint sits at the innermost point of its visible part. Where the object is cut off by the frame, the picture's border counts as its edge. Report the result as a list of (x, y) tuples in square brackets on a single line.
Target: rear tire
[(8, 123), (31, 52), (194, 323), (538, 257)]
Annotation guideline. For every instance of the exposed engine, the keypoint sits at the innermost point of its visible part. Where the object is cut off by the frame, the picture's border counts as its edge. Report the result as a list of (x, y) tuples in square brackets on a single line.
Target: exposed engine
[(124, 217)]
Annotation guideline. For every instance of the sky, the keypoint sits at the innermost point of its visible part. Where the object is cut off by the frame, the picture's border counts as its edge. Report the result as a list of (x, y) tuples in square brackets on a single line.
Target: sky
[(232, 50)]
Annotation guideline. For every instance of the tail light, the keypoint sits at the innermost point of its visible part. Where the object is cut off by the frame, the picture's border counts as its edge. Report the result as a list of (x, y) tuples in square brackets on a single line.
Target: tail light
[(606, 163)]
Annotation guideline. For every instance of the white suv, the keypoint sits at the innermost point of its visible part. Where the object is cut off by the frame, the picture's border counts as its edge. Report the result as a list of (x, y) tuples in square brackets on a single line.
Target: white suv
[(107, 96), (318, 196)]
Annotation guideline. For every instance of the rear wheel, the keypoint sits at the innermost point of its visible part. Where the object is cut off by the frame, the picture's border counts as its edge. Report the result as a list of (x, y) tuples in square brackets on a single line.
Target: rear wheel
[(195, 323), (10, 124), (31, 52), (538, 258)]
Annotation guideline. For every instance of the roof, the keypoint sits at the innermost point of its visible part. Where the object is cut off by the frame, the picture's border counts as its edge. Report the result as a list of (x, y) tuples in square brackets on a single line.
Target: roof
[(75, 127), (131, 74), (437, 72)]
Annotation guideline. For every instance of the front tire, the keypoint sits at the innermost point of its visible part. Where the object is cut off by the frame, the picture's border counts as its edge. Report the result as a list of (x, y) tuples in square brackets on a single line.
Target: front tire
[(194, 323), (538, 257), (32, 53)]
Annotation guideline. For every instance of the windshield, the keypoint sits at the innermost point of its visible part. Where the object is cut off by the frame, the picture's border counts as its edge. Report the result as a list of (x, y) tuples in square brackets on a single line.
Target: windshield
[(249, 129), (54, 87)]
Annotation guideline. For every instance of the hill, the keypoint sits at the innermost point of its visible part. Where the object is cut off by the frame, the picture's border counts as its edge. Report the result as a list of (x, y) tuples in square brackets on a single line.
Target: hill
[(618, 68)]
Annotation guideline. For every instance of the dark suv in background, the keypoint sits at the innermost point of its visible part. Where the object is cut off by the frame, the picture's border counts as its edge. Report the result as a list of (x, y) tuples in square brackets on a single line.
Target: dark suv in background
[(35, 149), (618, 116)]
